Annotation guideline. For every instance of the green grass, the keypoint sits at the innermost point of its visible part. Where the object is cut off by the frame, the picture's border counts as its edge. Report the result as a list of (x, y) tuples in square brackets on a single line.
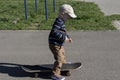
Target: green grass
[(89, 15)]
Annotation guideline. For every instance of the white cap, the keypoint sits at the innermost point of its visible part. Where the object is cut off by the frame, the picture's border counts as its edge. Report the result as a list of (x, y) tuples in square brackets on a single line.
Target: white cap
[(66, 8)]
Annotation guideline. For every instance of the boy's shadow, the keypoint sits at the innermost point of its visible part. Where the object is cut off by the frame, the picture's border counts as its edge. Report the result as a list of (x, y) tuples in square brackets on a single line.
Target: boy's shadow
[(15, 70)]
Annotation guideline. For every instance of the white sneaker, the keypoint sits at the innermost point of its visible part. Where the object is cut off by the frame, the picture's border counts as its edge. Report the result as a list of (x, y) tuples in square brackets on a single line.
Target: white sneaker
[(54, 77)]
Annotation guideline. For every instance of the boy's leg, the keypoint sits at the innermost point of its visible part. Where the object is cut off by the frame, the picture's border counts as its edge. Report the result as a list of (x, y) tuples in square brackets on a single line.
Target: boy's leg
[(59, 55)]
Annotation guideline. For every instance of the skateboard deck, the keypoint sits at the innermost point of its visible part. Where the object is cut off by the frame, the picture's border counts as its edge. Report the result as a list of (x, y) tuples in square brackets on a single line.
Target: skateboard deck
[(48, 68)]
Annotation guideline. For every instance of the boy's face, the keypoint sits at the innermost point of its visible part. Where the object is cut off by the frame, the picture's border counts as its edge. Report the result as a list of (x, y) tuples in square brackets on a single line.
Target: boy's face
[(66, 17)]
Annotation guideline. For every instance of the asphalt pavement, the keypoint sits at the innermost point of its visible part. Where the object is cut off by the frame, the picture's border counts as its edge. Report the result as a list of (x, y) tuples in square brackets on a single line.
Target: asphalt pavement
[(99, 52)]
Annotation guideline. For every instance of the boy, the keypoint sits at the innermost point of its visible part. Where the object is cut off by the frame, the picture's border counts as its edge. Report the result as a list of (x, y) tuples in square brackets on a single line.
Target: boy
[(57, 37)]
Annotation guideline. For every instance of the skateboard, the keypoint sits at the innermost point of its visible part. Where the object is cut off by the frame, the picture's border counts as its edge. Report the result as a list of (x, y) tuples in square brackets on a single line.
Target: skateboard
[(36, 69)]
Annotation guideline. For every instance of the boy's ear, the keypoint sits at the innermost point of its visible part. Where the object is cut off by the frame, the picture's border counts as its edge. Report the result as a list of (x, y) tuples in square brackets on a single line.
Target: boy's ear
[(62, 13)]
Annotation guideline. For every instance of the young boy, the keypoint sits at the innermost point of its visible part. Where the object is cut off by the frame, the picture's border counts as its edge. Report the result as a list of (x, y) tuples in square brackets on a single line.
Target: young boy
[(57, 37)]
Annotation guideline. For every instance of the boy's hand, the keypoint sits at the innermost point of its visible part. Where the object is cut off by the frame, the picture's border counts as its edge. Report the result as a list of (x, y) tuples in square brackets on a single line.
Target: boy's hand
[(68, 40)]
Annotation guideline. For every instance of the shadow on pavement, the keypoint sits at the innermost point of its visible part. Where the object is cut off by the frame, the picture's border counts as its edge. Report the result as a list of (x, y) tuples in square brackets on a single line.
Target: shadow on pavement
[(15, 70)]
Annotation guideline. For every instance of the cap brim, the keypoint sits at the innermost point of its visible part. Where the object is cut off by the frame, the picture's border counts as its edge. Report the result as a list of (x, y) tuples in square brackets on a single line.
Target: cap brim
[(72, 15)]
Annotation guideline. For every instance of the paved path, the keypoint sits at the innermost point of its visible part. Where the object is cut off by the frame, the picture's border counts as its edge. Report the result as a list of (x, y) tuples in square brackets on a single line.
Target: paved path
[(99, 53), (109, 7)]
